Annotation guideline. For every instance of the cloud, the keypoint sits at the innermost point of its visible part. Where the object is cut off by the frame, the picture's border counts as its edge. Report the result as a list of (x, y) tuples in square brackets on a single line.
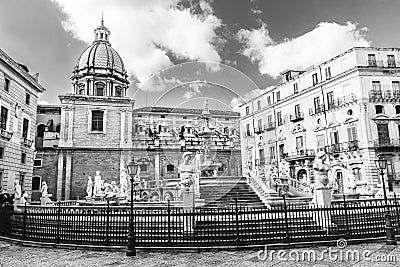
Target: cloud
[(237, 101), (159, 83), (325, 41), (194, 89), (146, 33)]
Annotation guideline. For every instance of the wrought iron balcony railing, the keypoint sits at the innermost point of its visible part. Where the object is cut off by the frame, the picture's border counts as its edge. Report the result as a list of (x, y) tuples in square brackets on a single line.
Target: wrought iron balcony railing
[(383, 96), (299, 154), (269, 126), (26, 142), (342, 147), (6, 134), (383, 63), (297, 117), (258, 130), (387, 142)]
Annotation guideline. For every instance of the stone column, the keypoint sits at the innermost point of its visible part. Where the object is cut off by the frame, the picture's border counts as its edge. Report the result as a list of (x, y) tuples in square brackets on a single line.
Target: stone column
[(60, 175), (122, 138), (64, 125), (70, 125), (129, 137), (68, 169)]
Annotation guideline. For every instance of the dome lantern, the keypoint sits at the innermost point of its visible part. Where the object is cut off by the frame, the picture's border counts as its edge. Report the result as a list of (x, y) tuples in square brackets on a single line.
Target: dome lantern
[(101, 33)]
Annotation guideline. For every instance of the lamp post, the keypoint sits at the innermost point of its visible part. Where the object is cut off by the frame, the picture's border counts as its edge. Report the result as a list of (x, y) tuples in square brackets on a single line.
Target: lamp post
[(381, 164), (131, 246)]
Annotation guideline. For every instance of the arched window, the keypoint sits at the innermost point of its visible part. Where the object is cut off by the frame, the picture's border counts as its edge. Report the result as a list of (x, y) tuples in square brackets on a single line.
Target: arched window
[(81, 89), (58, 128), (100, 89), (118, 91)]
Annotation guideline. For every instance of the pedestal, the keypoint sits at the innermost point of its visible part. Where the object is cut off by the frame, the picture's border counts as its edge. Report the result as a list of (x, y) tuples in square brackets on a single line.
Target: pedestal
[(45, 201), (322, 199), (188, 199)]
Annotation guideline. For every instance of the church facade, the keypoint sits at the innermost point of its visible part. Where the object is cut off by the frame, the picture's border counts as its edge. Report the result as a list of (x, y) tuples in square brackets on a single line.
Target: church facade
[(97, 128)]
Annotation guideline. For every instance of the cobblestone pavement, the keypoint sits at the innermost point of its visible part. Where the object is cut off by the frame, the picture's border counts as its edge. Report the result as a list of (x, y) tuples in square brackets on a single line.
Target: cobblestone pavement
[(15, 255)]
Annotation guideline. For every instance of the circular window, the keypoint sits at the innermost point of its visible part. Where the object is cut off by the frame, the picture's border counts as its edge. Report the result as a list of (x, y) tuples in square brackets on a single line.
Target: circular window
[(350, 112), (319, 121)]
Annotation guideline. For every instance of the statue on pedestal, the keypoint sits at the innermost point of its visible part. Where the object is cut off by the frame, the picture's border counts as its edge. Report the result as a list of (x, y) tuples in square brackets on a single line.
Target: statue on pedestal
[(18, 197), (89, 188), (44, 200), (98, 184), (321, 170), (284, 169), (187, 170), (123, 183), (18, 191)]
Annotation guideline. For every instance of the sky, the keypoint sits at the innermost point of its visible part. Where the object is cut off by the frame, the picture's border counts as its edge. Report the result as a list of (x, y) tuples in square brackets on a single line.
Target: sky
[(179, 52)]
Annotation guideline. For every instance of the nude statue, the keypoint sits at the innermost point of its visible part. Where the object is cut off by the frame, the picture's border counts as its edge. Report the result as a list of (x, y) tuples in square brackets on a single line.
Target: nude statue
[(321, 170)]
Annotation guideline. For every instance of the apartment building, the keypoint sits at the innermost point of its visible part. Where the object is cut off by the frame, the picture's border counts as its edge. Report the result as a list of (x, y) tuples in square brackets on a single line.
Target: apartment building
[(348, 106), (18, 102)]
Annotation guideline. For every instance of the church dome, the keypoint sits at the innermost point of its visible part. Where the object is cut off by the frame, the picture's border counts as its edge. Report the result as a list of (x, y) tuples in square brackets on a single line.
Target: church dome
[(100, 55), (100, 70)]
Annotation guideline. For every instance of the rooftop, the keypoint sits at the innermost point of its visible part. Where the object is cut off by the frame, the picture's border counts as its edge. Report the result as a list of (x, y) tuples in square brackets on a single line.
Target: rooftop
[(20, 70)]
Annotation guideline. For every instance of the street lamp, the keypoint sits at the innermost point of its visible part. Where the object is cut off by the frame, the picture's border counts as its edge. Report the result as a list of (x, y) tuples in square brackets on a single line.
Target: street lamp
[(131, 246), (381, 164)]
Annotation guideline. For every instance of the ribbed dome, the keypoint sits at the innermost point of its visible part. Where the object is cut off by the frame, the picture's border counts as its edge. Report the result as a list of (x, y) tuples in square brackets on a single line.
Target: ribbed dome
[(101, 55)]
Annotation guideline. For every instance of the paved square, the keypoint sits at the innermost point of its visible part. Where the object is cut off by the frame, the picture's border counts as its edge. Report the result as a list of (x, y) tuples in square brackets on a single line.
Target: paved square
[(15, 255)]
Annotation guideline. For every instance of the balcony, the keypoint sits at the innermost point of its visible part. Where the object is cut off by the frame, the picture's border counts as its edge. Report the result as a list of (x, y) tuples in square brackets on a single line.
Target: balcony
[(387, 143), (384, 96), (26, 142), (383, 63), (5, 134), (342, 147), (297, 117), (258, 130), (270, 126), (299, 154), (317, 110), (247, 134), (260, 162)]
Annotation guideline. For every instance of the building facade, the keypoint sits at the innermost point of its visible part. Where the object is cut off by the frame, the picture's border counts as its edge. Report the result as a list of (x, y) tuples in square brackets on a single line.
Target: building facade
[(96, 128), (18, 103), (348, 106)]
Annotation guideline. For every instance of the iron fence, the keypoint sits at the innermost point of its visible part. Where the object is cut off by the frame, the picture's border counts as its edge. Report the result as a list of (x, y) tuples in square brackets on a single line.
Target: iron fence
[(174, 227)]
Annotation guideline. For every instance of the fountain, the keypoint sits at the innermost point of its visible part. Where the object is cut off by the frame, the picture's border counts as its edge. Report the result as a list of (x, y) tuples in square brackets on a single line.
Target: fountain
[(207, 166)]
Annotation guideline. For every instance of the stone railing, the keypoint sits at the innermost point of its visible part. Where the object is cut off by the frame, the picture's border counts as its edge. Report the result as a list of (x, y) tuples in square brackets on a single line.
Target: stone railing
[(5, 134)]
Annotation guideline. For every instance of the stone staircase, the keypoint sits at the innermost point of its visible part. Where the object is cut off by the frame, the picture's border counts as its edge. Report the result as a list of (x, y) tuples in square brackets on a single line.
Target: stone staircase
[(224, 191)]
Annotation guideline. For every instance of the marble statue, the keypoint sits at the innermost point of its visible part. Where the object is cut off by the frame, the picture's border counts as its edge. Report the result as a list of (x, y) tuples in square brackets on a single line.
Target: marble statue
[(186, 170), (352, 181), (89, 188), (98, 184), (18, 193), (45, 194), (44, 200), (321, 170), (284, 169), (115, 188), (123, 183)]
